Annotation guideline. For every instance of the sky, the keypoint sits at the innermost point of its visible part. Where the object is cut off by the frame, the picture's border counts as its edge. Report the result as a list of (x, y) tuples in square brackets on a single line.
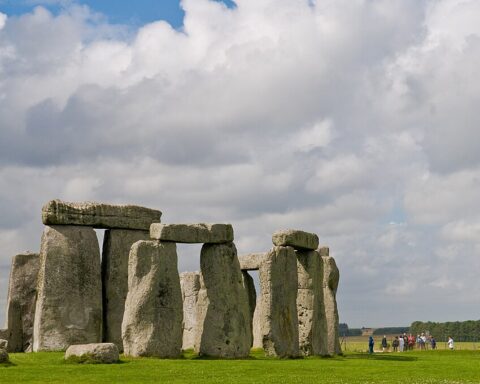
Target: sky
[(353, 119)]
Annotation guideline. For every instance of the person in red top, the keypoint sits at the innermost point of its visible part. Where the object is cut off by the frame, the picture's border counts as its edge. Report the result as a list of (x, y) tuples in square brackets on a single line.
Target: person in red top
[(411, 342)]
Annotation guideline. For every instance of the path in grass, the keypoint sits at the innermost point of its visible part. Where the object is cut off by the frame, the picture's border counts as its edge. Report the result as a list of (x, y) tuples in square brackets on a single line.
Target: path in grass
[(412, 367)]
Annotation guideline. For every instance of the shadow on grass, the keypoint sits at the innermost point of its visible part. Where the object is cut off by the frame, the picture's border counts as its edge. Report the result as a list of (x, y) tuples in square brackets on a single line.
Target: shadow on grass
[(89, 360), (366, 356), (7, 365)]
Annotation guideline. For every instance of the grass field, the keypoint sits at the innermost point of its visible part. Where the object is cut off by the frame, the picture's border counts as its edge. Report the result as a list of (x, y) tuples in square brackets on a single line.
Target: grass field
[(412, 367)]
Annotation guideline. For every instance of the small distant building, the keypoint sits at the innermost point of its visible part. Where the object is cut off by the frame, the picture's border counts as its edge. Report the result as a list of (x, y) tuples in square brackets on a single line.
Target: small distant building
[(367, 331)]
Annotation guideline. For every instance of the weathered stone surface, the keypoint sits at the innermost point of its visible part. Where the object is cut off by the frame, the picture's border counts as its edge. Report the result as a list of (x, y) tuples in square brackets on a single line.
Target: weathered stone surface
[(116, 249), (279, 283), (106, 353), (3, 344), (223, 317), (312, 327), (152, 322), (330, 285), (4, 356), (252, 261), (249, 286), (4, 334), (22, 292), (324, 251), (192, 233), (190, 284), (296, 239), (257, 324), (69, 301), (98, 215)]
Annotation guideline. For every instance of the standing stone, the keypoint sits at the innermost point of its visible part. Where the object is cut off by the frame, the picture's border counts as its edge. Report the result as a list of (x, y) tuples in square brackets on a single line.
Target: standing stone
[(312, 325), (152, 322), (69, 299), (257, 324), (190, 284), (116, 248), (279, 283), (98, 215), (330, 285), (249, 286), (223, 317), (22, 294)]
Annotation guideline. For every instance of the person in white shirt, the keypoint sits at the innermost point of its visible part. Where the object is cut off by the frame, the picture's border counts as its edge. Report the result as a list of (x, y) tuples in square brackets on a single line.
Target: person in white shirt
[(402, 344), (450, 343)]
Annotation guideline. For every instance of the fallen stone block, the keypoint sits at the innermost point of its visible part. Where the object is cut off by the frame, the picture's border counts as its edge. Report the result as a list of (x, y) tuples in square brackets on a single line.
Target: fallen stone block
[(4, 356), (252, 261), (330, 285), (98, 215), (223, 313), (312, 325), (190, 285), (3, 344), (69, 302), (296, 239), (116, 249), (192, 233), (100, 353), (152, 322), (279, 319), (22, 295)]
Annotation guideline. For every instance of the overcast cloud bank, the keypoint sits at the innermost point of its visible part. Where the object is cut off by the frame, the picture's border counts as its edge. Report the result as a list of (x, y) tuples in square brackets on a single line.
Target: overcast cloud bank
[(356, 120)]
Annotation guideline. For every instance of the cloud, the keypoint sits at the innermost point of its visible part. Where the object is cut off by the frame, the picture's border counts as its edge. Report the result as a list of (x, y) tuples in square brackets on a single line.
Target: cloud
[(355, 120)]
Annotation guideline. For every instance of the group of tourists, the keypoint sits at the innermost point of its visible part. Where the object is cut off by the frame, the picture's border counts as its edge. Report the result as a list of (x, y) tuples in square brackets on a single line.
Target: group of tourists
[(403, 343)]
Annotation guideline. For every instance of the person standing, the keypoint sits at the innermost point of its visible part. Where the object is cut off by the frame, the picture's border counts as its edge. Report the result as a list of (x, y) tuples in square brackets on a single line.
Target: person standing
[(395, 344), (433, 343), (450, 343), (384, 343), (370, 344), (401, 344)]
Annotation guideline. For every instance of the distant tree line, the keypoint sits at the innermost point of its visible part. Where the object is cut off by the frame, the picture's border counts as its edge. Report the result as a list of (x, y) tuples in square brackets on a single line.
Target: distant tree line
[(459, 330), (391, 330), (343, 330)]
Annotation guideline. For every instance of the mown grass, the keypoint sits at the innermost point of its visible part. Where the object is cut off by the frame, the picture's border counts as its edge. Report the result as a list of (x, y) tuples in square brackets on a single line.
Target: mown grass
[(412, 367)]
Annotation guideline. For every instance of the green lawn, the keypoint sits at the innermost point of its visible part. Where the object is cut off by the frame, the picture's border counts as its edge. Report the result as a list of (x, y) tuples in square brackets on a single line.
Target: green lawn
[(411, 367)]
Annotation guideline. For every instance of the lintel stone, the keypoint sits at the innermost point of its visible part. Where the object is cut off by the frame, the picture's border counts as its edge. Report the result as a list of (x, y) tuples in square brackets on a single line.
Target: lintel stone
[(192, 233), (296, 239), (252, 261), (98, 215)]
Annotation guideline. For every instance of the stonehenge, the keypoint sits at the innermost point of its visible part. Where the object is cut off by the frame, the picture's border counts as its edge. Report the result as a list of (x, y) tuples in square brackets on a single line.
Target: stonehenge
[(96, 215), (22, 295), (152, 321), (116, 250), (223, 311), (330, 285), (128, 295), (190, 285), (69, 299)]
